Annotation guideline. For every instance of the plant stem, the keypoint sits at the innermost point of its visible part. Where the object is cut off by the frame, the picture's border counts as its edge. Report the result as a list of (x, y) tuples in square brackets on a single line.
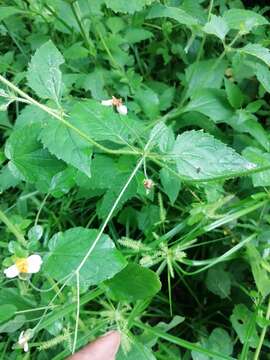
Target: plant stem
[(263, 333), (75, 11), (12, 228)]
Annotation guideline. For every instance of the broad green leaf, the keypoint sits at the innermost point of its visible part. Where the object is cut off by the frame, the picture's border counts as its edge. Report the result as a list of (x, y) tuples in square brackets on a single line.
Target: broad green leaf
[(7, 311), (13, 325), (145, 283), (181, 16), (261, 276), (112, 193), (219, 341), (63, 181), (137, 351), (149, 102), (134, 35), (13, 296), (243, 322), (44, 75), (244, 121), (212, 103), (205, 74), (216, 26), (101, 122), (258, 51), (243, 20), (28, 160), (170, 183), (199, 155), (7, 179), (67, 250), (66, 144), (263, 76), (162, 136), (261, 159), (234, 94), (95, 82), (129, 7), (6, 11), (218, 282)]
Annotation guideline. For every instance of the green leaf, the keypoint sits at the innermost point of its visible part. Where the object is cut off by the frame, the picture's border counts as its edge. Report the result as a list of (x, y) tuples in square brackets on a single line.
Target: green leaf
[(129, 7), (261, 159), (136, 352), (247, 122), (181, 16), (134, 35), (149, 102), (212, 103), (145, 283), (243, 20), (13, 325), (243, 322), (112, 193), (218, 282), (199, 155), (219, 341), (7, 311), (28, 160), (217, 26), (170, 183), (6, 11), (258, 51), (101, 122), (260, 275), (7, 179), (44, 75), (68, 249), (263, 76), (66, 144), (234, 94), (204, 74)]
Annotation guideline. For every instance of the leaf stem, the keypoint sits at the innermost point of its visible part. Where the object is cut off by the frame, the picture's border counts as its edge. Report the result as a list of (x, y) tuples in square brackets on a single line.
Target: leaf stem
[(12, 228)]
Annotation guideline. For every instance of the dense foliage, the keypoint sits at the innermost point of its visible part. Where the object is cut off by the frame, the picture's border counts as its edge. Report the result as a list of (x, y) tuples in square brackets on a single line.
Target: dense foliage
[(135, 165)]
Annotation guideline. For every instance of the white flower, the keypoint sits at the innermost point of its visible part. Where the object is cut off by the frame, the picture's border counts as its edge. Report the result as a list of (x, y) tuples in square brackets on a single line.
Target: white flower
[(121, 109), (23, 341), (107, 102), (30, 265)]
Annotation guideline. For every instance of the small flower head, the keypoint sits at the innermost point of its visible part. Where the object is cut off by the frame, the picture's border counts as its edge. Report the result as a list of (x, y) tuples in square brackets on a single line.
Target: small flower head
[(24, 337), (118, 103), (30, 265), (148, 185)]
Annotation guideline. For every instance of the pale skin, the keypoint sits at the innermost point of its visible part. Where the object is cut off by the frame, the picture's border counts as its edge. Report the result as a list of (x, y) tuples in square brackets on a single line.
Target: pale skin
[(104, 348)]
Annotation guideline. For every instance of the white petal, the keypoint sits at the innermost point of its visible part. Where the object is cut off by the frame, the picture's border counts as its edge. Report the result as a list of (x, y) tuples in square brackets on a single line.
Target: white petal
[(21, 338), (11, 272), (107, 102), (25, 346), (34, 264), (122, 109)]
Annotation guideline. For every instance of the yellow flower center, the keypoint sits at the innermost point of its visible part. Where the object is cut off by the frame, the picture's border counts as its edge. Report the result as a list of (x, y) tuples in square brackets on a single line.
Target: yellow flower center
[(22, 265)]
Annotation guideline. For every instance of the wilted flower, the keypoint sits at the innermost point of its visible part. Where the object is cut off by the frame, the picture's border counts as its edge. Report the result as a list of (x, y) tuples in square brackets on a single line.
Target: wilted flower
[(28, 265), (121, 109), (24, 337), (148, 185)]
